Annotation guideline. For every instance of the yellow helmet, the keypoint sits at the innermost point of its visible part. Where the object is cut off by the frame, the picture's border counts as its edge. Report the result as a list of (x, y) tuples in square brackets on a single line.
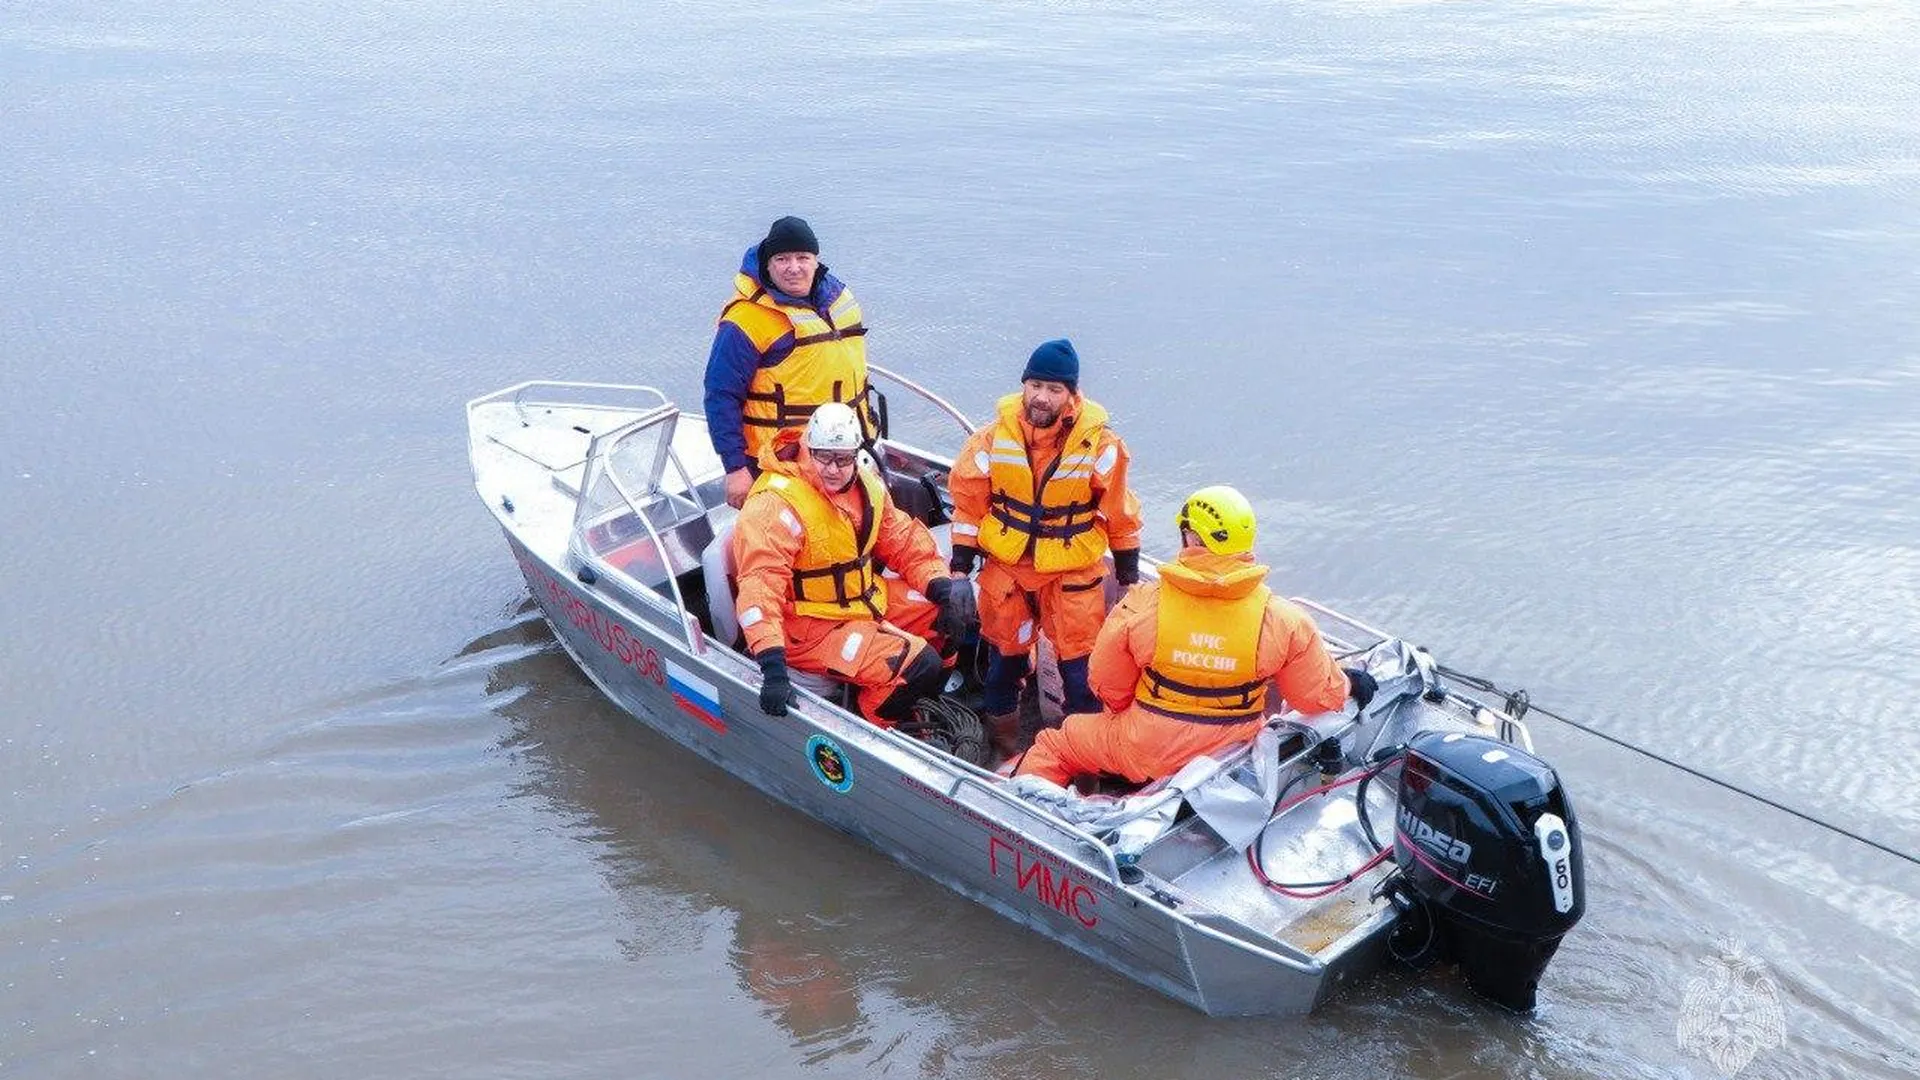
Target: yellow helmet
[(1221, 517)]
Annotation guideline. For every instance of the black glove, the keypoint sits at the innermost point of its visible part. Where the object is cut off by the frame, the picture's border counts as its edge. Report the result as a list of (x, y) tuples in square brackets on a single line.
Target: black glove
[(962, 560), (776, 688), (1361, 686), (959, 618), (1126, 567)]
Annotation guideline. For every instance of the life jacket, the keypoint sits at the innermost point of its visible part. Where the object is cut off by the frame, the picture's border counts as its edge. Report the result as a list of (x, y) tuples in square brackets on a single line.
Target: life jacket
[(1206, 646), (834, 576), (1051, 518), (828, 361)]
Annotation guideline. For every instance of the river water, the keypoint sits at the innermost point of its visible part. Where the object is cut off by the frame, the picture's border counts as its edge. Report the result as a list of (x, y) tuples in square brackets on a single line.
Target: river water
[(1575, 341)]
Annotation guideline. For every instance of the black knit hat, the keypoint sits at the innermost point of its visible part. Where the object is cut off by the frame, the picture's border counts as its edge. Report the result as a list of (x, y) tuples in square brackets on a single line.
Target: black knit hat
[(1054, 361), (789, 234)]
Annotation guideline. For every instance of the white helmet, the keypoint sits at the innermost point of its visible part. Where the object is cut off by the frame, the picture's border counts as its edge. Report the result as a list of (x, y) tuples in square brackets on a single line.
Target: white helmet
[(834, 426)]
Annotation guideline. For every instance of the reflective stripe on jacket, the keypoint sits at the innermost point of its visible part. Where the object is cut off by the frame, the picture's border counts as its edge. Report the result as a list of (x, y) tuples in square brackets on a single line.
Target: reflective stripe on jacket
[(834, 576), (828, 361), (1206, 649), (1054, 518)]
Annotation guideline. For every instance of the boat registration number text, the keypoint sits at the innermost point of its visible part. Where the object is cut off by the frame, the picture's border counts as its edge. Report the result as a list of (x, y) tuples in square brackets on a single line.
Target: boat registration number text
[(610, 634)]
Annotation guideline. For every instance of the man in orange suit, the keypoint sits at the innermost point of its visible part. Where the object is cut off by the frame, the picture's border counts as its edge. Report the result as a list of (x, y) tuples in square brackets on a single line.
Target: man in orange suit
[(1182, 665), (810, 593)]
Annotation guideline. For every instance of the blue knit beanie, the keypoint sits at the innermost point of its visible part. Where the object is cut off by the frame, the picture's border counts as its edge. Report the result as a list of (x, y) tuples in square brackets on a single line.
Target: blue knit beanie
[(1054, 361)]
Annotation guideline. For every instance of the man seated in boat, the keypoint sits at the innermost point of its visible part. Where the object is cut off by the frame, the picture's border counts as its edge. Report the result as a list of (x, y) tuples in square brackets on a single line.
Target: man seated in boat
[(1183, 664), (810, 592), (789, 339), (1041, 491)]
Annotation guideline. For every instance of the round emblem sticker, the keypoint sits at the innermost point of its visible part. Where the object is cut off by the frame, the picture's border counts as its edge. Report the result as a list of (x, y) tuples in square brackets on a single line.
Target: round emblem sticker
[(829, 763)]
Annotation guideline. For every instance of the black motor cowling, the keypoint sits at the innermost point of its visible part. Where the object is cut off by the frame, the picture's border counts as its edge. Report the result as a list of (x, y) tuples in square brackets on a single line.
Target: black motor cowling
[(1484, 833)]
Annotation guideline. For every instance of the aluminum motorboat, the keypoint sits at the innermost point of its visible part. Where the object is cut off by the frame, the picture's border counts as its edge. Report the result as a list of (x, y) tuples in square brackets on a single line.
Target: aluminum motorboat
[(1255, 881)]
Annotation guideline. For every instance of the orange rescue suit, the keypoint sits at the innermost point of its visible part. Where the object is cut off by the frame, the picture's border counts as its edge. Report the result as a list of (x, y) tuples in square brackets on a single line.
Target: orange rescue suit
[(1044, 505), (1147, 731), (806, 580)]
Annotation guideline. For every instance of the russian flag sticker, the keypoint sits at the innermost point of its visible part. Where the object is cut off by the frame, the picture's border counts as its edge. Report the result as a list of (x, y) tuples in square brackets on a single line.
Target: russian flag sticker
[(695, 696)]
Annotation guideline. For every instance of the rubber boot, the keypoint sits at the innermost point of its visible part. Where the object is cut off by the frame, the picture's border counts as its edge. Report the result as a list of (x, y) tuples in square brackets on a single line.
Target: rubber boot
[(1004, 730), (1001, 692)]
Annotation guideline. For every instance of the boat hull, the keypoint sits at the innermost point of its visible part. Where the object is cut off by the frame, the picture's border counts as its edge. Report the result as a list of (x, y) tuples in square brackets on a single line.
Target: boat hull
[(945, 824)]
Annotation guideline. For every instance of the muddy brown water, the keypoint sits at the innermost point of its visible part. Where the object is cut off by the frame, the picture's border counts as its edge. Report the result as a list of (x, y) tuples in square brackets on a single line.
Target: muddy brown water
[(1576, 342)]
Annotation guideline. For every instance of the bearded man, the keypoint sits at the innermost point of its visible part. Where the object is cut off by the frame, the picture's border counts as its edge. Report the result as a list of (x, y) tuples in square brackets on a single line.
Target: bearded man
[(1040, 497)]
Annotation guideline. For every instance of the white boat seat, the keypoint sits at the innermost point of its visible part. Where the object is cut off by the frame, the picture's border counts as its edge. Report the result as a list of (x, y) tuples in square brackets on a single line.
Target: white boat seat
[(825, 685), (716, 569)]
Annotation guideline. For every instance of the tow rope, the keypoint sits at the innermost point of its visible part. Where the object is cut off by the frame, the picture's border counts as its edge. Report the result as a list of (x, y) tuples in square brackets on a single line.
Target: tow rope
[(1518, 705)]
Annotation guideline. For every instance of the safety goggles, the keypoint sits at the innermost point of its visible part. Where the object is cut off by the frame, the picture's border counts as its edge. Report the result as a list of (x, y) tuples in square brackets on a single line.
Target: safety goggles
[(834, 459)]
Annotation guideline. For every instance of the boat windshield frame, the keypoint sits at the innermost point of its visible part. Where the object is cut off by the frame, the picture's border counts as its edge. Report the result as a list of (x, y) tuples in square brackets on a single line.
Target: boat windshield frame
[(640, 492)]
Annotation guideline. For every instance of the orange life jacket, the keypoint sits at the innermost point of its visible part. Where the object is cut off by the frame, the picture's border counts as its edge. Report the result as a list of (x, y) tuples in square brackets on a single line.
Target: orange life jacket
[(828, 361), (834, 576), (1051, 517), (1206, 645)]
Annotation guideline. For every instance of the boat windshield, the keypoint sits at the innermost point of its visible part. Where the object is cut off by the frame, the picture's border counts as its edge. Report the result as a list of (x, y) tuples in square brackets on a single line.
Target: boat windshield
[(635, 508)]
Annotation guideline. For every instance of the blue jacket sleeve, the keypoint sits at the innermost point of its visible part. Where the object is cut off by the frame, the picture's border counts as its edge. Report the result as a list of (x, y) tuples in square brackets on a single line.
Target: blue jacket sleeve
[(730, 368)]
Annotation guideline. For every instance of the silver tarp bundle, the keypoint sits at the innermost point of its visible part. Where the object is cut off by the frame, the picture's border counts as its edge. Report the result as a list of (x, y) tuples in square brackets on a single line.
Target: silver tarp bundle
[(1234, 791)]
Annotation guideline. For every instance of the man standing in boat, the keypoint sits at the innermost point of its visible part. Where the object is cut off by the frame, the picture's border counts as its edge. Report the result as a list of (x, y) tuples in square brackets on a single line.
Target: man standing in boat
[(789, 340), (1183, 665), (1041, 492), (810, 591)]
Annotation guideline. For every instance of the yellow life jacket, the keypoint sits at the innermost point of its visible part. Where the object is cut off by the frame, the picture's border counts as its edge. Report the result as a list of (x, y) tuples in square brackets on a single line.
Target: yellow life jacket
[(828, 361), (834, 576), (1052, 518), (1206, 646)]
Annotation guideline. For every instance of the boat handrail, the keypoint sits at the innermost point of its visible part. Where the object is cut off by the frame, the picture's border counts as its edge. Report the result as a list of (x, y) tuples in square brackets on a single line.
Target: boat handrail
[(966, 424), (994, 791), (1511, 728), (520, 392), (1314, 605), (516, 395)]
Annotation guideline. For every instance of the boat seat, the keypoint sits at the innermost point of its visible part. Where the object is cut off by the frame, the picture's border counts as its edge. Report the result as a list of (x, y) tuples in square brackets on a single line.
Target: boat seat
[(918, 497), (716, 569)]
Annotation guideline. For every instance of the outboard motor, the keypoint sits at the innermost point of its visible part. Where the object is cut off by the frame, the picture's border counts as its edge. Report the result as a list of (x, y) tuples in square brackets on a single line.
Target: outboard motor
[(1484, 834)]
